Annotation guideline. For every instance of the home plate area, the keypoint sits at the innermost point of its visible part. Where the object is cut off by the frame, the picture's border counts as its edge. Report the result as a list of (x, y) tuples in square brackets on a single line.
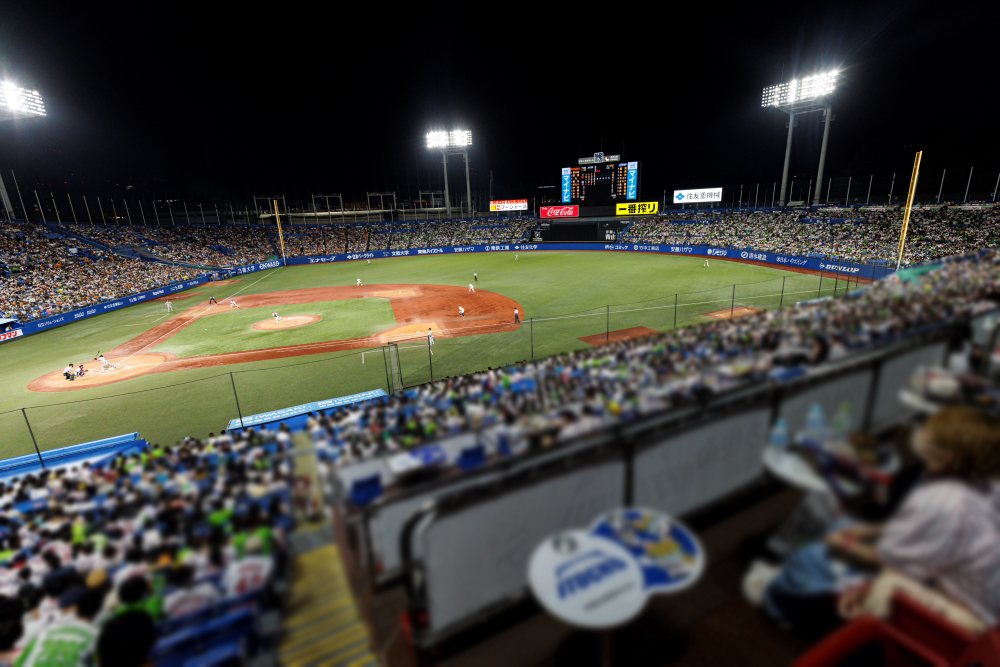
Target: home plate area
[(727, 313)]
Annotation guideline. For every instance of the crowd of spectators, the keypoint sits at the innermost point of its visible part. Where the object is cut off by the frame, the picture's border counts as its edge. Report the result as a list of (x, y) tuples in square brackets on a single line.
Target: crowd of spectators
[(866, 235), (214, 246), (101, 560), (42, 274), (577, 391)]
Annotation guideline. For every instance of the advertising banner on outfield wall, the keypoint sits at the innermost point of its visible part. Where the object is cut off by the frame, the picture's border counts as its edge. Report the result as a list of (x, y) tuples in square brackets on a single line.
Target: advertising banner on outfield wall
[(508, 204), (9, 335), (787, 261), (637, 208)]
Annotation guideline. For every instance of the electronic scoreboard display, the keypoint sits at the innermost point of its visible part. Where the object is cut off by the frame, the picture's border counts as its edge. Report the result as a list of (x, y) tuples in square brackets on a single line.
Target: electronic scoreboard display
[(600, 184)]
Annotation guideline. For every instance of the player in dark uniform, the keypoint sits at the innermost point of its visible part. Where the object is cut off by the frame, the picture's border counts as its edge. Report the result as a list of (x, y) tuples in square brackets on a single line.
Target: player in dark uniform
[(212, 300)]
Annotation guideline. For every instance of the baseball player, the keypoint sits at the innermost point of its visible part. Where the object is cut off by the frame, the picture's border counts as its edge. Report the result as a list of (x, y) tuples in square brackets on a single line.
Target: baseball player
[(476, 276), (461, 311), (80, 371), (369, 262), (471, 288), (232, 304), (170, 306), (359, 282), (515, 257), (430, 338), (706, 262), (68, 372), (517, 318), (277, 318), (211, 300), (105, 364)]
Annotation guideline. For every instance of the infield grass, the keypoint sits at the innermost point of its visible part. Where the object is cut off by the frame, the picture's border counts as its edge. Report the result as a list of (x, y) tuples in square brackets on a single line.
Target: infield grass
[(564, 296), (232, 330)]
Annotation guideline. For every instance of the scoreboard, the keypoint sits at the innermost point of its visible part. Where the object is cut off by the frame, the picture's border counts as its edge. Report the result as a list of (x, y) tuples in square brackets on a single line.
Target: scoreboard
[(600, 184)]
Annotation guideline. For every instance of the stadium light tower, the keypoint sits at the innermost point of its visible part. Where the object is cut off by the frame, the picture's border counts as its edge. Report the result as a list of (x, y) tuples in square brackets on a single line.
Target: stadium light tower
[(17, 103), (800, 96), (452, 143)]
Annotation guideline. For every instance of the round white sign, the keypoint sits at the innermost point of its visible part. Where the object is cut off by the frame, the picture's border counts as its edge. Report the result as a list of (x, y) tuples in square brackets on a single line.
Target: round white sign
[(586, 580)]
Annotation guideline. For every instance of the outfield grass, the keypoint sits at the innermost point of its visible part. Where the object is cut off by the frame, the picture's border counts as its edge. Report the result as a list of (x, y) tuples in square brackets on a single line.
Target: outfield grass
[(231, 330), (564, 295)]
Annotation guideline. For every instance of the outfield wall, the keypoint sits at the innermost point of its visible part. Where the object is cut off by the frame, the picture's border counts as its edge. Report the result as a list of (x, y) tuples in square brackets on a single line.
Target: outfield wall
[(865, 271)]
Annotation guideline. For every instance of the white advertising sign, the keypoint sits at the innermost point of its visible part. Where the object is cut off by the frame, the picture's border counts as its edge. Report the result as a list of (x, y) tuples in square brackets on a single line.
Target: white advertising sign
[(509, 205), (697, 196)]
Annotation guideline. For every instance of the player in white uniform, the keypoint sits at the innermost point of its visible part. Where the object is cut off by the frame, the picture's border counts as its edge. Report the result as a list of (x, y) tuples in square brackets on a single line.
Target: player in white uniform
[(515, 256), (277, 318), (461, 311), (232, 304), (369, 262), (105, 364), (471, 288), (430, 338), (475, 276), (706, 262), (170, 307), (517, 318), (359, 282)]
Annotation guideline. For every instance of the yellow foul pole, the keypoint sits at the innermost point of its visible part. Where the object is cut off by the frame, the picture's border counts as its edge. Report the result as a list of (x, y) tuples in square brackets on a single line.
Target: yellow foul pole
[(909, 207), (281, 238)]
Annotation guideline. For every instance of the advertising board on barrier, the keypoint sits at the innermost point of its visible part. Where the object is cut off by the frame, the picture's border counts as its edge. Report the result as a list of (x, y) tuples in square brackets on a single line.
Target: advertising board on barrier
[(559, 211), (13, 333), (637, 208), (297, 410), (508, 204), (698, 196)]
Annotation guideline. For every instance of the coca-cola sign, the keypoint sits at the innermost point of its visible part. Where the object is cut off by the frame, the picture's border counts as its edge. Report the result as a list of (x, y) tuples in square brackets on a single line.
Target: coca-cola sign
[(560, 211)]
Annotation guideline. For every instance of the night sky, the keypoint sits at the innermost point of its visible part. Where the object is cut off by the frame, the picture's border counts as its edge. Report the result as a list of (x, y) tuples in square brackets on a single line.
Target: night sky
[(206, 105)]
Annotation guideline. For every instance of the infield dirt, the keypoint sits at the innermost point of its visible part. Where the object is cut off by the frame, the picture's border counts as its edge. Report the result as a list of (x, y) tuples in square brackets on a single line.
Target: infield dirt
[(415, 307)]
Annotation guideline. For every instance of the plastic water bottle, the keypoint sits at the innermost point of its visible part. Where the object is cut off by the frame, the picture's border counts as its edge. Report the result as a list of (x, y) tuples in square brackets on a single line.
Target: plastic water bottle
[(842, 420), (779, 434), (815, 424)]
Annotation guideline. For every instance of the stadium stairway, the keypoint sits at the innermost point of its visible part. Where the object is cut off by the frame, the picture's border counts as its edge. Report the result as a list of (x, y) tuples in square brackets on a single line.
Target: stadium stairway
[(321, 624)]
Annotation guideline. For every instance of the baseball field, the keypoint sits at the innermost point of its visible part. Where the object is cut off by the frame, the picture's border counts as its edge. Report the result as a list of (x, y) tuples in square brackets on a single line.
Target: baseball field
[(191, 370)]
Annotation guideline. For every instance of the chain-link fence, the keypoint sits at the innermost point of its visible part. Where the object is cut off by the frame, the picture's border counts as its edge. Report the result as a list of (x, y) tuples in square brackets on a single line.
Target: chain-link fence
[(205, 405)]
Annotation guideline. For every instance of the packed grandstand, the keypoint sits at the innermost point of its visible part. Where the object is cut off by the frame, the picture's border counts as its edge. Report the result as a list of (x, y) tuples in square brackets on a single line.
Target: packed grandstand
[(46, 270), (153, 547)]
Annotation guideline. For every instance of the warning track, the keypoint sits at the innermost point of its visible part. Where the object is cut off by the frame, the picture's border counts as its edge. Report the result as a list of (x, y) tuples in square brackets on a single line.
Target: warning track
[(415, 307)]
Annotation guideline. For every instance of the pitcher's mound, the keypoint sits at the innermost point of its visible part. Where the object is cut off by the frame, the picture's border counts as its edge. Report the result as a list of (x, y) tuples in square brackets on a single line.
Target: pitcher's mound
[(727, 313), (286, 322)]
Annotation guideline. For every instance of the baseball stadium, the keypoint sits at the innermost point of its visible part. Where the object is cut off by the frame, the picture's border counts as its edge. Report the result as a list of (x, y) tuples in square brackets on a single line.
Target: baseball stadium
[(501, 411)]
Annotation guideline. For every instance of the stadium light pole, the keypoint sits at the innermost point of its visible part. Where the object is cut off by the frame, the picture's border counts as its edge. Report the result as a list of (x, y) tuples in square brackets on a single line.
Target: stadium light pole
[(17, 103), (796, 97), (452, 142)]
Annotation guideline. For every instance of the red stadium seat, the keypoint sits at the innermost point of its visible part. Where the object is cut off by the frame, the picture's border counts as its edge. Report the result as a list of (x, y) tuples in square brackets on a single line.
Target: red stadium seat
[(878, 641)]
